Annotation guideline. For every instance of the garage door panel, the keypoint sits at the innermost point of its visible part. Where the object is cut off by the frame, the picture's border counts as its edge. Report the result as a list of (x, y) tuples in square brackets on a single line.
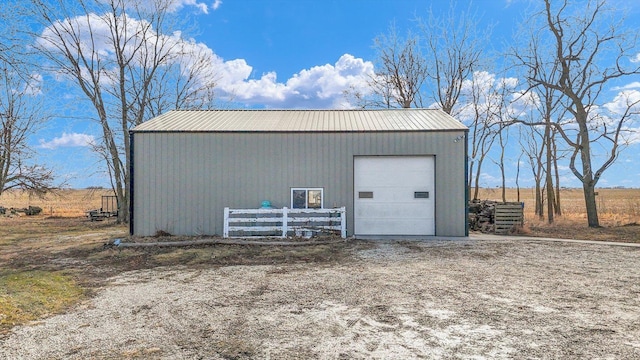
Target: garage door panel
[(377, 179), (394, 210), (396, 227), (388, 175), (389, 205)]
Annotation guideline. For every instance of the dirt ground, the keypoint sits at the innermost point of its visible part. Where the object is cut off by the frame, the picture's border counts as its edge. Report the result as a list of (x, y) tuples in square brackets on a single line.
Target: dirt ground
[(477, 298), (629, 233)]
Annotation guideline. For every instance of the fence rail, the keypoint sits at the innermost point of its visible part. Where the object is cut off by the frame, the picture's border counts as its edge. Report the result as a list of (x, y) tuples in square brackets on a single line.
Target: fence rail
[(283, 222)]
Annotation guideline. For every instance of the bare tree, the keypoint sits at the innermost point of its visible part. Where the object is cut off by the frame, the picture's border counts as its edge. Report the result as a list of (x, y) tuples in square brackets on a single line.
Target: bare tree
[(186, 83), (428, 67), (484, 113), (503, 139), (11, 20), (550, 108), (500, 110), (401, 70), (532, 143), (454, 50), (118, 54), (543, 104), (21, 113), (20, 116), (590, 51), (554, 149)]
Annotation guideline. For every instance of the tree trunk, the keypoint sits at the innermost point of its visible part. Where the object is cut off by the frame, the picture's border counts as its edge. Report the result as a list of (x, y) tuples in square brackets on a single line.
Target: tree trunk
[(550, 200), (477, 179), (590, 203), (518, 179), (504, 183), (539, 211), (557, 208), (588, 183), (471, 179), (549, 180)]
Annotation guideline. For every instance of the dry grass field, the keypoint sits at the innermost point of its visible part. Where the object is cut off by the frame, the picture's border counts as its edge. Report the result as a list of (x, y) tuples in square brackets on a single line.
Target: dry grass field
[(62, 203), (616, 207), (618, 212)]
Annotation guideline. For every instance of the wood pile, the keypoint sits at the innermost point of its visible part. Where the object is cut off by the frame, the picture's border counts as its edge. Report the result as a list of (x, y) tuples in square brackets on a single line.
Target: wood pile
[(491, 216), (482, 215)]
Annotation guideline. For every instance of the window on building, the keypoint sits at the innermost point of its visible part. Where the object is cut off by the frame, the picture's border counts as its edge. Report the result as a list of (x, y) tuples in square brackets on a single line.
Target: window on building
[(307, 198)]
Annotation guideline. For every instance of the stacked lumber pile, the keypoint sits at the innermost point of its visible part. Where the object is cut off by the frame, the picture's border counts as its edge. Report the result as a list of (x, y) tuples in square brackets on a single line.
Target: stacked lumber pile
[(509, 217)]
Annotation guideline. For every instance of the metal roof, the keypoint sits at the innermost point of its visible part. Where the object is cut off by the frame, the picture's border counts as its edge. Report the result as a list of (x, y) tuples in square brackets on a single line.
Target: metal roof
[(301, 121)]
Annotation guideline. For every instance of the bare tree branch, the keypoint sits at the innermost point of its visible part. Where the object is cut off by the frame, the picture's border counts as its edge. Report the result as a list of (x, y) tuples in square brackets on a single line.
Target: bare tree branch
[(20, 117), (401, 70), (455, 48)]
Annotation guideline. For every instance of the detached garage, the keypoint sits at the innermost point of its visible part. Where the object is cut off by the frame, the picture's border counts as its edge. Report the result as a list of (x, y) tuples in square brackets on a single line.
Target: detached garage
[(398, 172)]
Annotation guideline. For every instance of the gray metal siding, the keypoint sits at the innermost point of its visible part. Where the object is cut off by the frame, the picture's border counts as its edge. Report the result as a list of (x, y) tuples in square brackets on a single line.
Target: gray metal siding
[(184, 180)]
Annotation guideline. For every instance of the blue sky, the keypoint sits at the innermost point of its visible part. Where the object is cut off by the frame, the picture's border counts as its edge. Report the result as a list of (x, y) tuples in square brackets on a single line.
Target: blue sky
[(303, 54)]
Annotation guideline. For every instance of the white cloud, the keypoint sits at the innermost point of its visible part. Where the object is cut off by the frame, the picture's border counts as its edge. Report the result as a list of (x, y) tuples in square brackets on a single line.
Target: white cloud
[(636, 58), (626, 101), (68, 140), (95, 41), (318, 87), (630, 86), (174, 5), (489, 179), (216, 4), (201, 6), (171, 5), (485, 95), (92, 31)]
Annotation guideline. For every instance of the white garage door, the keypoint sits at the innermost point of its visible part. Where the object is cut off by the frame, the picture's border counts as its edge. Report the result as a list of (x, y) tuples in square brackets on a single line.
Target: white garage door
[(394, 195)]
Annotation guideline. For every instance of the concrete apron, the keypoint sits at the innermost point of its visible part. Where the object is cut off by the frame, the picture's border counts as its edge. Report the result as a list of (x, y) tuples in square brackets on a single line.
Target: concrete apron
[(530, 238), (493, 237)]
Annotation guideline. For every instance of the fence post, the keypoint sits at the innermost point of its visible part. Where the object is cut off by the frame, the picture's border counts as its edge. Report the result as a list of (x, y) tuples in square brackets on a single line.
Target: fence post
[(284, 222), (343, 222), (225, 232)]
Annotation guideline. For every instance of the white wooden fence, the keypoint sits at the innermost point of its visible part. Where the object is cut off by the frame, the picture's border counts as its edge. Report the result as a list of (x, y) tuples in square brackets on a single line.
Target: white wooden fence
[(283, 222)]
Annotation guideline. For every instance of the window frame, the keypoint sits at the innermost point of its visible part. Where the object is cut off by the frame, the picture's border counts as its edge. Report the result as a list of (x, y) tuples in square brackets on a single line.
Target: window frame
[(306, 197)]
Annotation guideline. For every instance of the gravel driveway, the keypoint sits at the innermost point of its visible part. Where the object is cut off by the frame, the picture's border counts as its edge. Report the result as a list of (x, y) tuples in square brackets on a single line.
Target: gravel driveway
[(467, 299)]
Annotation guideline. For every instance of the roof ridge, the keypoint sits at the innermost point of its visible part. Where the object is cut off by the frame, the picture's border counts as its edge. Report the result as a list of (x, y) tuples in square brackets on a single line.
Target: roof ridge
[(298, 120), (307, 110)]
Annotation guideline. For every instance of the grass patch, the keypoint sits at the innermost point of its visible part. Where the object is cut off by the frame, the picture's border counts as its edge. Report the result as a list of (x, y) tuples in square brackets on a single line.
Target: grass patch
[(29, 295), (216, 255)]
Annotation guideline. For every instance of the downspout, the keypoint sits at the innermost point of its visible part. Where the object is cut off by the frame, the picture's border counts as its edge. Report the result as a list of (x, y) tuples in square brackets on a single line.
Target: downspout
[(131, 182), (466, 181)]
